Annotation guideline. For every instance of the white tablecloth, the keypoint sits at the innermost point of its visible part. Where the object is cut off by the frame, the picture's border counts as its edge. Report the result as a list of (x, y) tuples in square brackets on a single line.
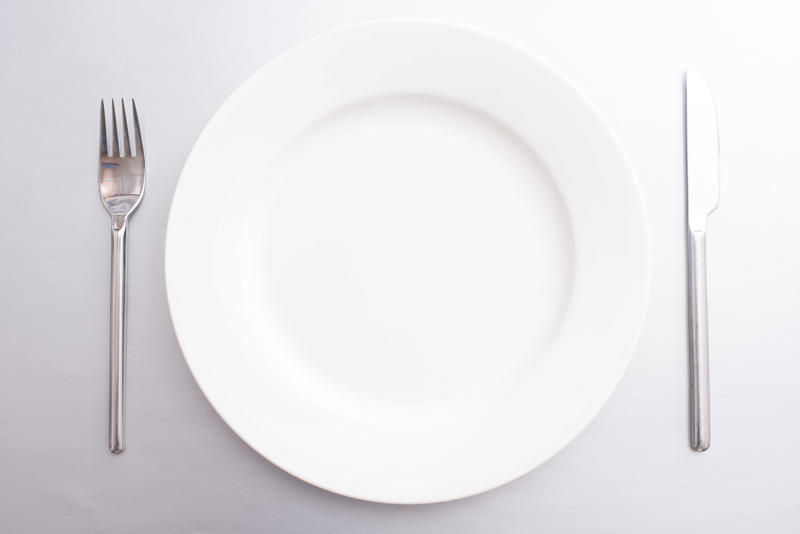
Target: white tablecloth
[(185, 471)]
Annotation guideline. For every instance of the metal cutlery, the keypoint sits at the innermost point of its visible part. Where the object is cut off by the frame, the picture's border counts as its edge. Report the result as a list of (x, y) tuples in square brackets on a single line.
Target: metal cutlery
[(121, 178), (702, 196)]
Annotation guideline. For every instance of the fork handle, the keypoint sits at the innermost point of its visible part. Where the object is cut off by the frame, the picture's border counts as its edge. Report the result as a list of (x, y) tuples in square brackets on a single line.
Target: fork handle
[(699, 398), (116, 419)]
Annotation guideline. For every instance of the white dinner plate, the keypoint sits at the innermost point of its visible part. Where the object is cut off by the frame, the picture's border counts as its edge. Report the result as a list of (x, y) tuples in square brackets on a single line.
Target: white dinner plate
[(407, 261)]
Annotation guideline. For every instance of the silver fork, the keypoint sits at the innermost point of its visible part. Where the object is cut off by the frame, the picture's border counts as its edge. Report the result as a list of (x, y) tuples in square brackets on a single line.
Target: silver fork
[(121, 177)]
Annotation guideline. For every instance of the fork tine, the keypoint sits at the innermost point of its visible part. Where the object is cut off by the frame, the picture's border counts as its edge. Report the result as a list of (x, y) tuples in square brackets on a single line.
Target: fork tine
[(115, 142), (138, 132), (126, 143), (103, 136)]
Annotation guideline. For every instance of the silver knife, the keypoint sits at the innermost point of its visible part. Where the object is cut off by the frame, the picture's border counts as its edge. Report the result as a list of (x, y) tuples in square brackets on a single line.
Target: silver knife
[(702, 197)]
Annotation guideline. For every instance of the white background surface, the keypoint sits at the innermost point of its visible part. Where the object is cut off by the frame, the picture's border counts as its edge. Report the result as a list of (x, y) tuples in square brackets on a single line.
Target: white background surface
[(185, 471)]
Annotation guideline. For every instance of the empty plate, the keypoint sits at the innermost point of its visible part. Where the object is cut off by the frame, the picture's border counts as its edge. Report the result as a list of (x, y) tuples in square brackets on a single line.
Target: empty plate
[(407, 261)]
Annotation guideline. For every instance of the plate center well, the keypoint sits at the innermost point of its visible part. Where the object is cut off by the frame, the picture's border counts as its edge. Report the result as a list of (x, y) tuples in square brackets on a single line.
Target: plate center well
[(410, 251)]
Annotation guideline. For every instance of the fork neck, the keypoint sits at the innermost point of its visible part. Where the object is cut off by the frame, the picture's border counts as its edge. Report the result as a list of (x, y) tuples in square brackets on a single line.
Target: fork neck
[(118, 222)]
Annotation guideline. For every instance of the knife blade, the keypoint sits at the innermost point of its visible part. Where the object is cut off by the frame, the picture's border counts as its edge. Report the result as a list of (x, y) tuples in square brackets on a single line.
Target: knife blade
[(702, 150), (702, 197)]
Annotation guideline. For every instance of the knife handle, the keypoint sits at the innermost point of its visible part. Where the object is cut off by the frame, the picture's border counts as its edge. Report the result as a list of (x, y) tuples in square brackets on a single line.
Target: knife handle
[(699, 398)]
